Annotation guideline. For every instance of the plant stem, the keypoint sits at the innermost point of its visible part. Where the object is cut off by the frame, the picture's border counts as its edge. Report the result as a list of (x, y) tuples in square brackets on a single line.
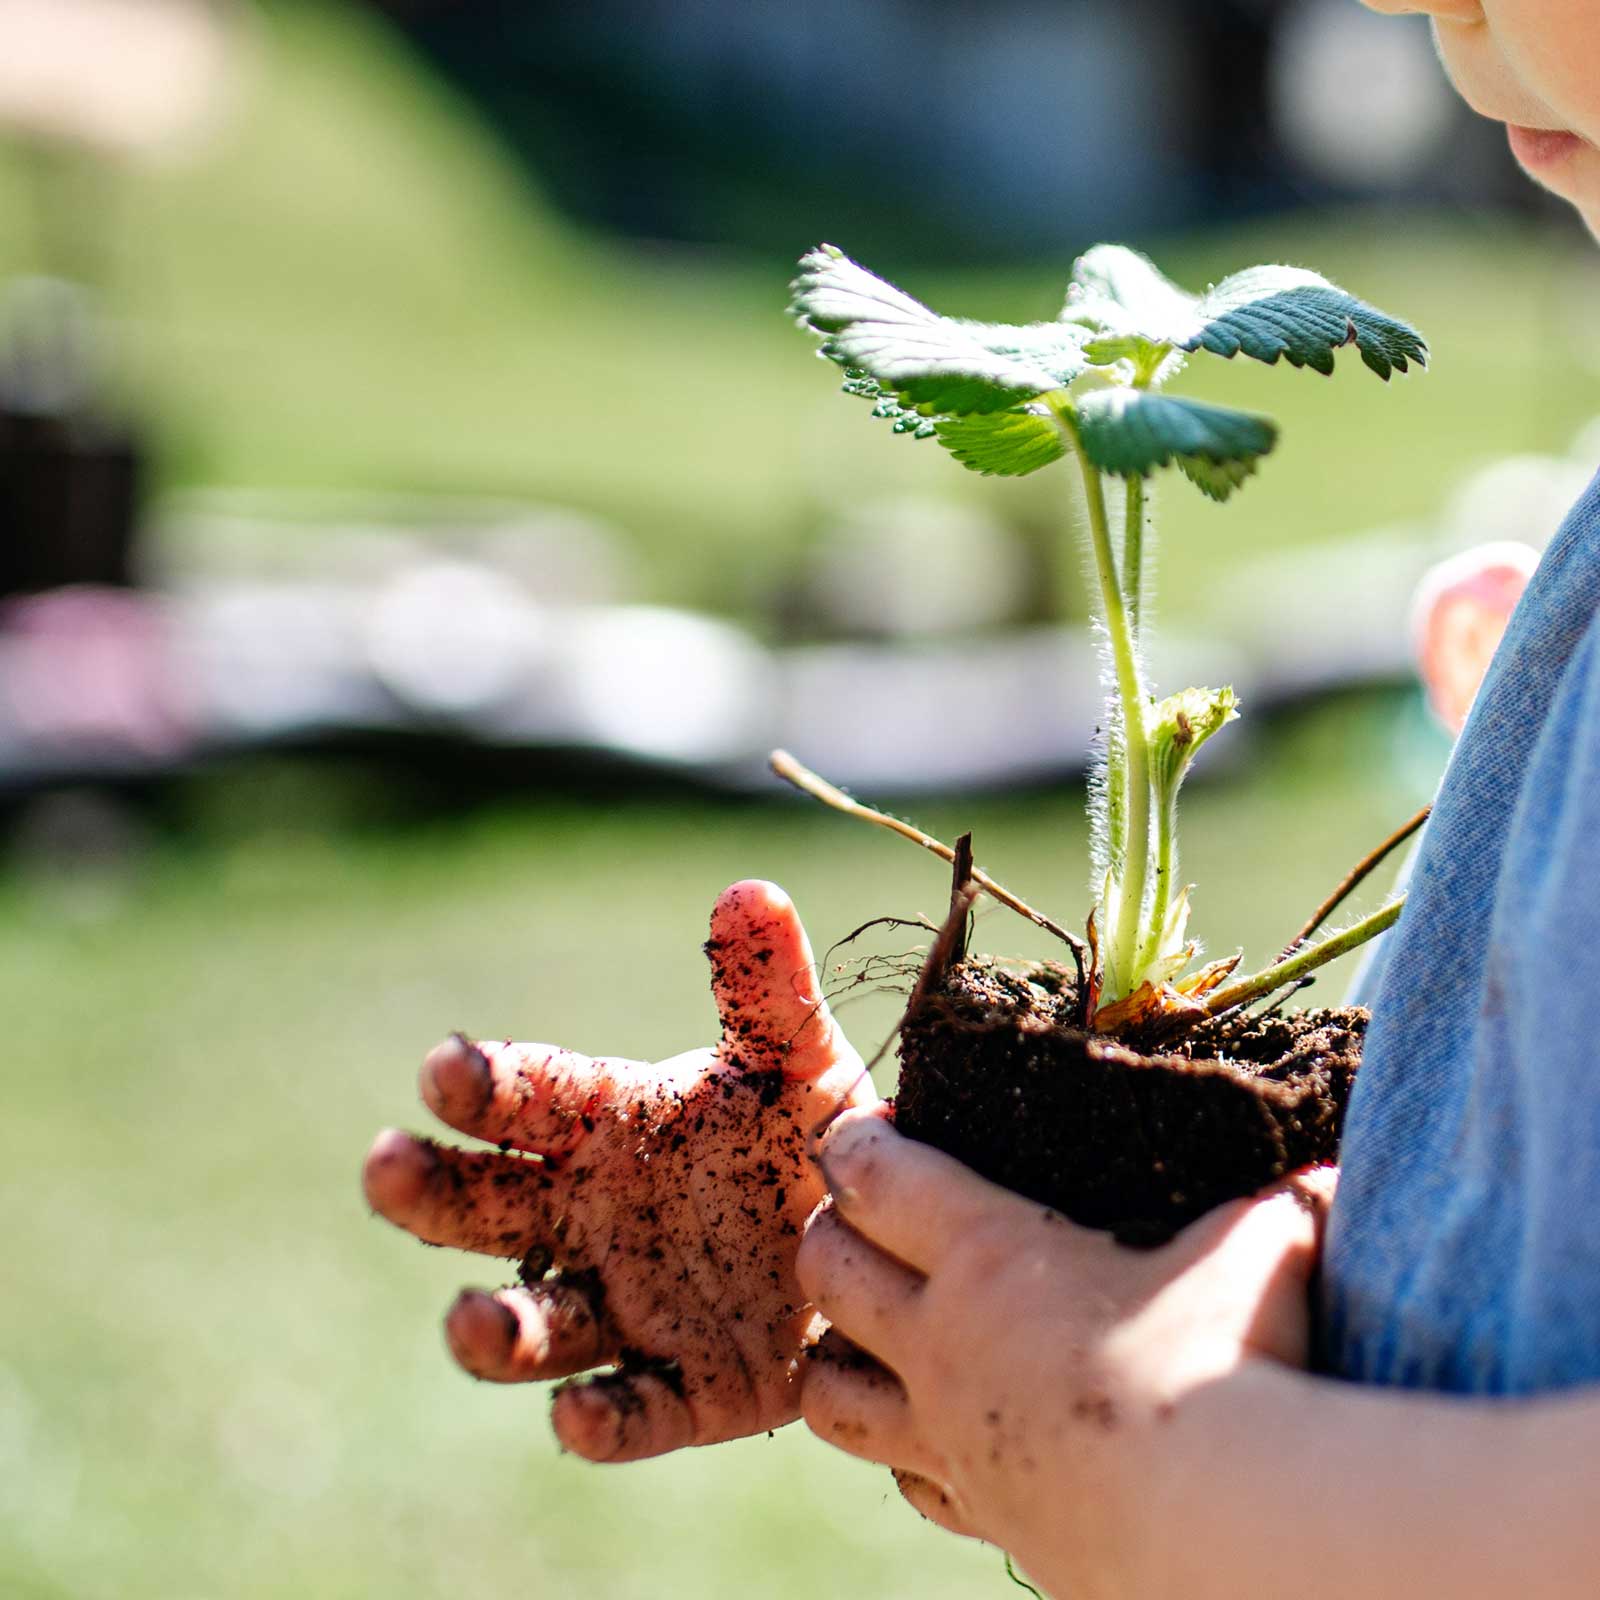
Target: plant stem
[(1166, 816), (1133, 552), (1016, 1578), (808, 782), (1127, 778), (1166, 866), (1244, 990)]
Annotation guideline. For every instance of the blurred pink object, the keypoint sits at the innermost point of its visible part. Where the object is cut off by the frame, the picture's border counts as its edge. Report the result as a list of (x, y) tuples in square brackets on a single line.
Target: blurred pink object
[(90, 670), (1458, 618)]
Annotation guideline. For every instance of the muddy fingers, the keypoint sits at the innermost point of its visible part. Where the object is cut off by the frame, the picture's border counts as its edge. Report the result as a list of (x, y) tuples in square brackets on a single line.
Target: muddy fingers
[(561, 1327), (496, 1205), (764, 979), (536, 1097), (624, 1416), (674, 1194), (933, 1501), (851, 1401), (552, 1330)]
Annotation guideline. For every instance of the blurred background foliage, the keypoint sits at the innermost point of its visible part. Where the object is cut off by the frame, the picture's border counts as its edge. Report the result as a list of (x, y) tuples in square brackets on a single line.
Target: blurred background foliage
[(539, 252), (356, 286)]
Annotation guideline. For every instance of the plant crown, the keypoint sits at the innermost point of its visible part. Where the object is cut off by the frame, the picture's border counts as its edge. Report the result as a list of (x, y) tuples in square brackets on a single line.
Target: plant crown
[(1006, 399)]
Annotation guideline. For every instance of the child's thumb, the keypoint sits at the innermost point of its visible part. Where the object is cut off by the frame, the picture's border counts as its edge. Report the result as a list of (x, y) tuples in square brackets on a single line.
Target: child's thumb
[(1458, 618), (766, 985)]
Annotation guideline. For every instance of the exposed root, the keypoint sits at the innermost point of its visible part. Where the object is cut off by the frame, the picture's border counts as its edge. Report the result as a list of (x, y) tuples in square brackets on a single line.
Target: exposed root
[(877, 922), (808, 782)]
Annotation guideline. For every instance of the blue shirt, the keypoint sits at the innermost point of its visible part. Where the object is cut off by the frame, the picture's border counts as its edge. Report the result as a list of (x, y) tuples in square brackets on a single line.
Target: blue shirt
[(1464, 1247)]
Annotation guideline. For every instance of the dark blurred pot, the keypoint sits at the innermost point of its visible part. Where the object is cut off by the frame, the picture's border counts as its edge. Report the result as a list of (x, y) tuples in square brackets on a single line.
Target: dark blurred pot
[(69, 500)]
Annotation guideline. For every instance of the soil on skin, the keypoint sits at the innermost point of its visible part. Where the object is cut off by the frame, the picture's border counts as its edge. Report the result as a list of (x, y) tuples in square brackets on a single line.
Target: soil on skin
[(993, 1073)]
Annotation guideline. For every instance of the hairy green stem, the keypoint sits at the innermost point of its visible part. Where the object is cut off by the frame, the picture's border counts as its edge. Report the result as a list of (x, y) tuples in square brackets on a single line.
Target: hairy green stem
[(1243, 990), (1166, 812), (1166, 865), (1128, 769), (1133, 553)]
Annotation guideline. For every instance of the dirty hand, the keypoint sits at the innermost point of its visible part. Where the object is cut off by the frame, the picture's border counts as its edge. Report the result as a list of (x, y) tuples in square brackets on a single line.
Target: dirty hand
[(1027, 1377), (670, 1198)]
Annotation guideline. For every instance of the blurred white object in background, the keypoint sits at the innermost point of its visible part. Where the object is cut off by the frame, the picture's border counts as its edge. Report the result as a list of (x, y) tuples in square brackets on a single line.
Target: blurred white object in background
[(123, 77), (1586, 446), (898, 568), (559, 556), (665, 685), (1522, 498), (1356, 98), (267, 662), (453, 638)]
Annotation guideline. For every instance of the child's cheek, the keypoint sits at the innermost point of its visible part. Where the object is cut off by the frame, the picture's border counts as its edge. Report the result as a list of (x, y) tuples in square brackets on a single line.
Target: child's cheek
[(1554, 47)]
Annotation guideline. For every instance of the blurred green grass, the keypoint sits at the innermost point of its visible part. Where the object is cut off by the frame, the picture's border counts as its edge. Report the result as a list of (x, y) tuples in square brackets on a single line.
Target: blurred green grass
[(355, 290), (219, 1376)]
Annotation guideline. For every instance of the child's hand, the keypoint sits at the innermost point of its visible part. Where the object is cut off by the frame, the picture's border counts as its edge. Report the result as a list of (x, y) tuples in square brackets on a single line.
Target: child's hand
[(1030, 1368), (1458, 618), (671, 1197)]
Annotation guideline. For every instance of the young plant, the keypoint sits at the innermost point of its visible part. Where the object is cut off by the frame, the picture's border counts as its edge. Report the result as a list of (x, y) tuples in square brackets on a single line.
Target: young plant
[(1008, 400)]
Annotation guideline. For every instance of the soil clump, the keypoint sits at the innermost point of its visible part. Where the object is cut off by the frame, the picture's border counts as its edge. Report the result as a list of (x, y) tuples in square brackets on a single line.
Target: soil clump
[(996, 1071)]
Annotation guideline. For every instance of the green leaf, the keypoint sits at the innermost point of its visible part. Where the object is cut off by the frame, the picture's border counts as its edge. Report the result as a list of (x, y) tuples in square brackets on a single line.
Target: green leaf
[(1131, 432), (939, 366), (1215, 479), (1112, 280), (1004, 443), (884, 405), (1264, 312), (1176, 727)]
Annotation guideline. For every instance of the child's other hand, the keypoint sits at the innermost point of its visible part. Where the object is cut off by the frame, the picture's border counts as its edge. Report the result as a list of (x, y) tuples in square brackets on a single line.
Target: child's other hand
[(671, 1198), (1460, 613), (1027, 1370)]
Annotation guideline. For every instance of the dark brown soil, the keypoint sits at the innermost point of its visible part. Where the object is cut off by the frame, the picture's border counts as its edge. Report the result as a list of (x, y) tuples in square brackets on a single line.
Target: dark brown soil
[(993, 1072)]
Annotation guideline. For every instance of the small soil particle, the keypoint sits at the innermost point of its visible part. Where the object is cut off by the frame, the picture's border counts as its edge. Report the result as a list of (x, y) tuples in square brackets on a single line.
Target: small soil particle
[(534, 1266), (1096, 1408)]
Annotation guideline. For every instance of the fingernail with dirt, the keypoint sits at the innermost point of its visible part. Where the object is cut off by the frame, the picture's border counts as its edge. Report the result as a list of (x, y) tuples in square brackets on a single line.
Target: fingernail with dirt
[(593, 1421), (456, 1077), (839, 1154), (397, 1169), (480, 1329)]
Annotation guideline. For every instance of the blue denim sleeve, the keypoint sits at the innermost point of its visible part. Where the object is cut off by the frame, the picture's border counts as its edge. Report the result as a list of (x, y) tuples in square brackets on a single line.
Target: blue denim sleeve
[(1461, 1252), (1538, 1032)]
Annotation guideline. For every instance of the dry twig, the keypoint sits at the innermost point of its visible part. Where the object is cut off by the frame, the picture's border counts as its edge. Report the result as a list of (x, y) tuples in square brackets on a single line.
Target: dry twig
[(808, 782), (1353, 880)]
